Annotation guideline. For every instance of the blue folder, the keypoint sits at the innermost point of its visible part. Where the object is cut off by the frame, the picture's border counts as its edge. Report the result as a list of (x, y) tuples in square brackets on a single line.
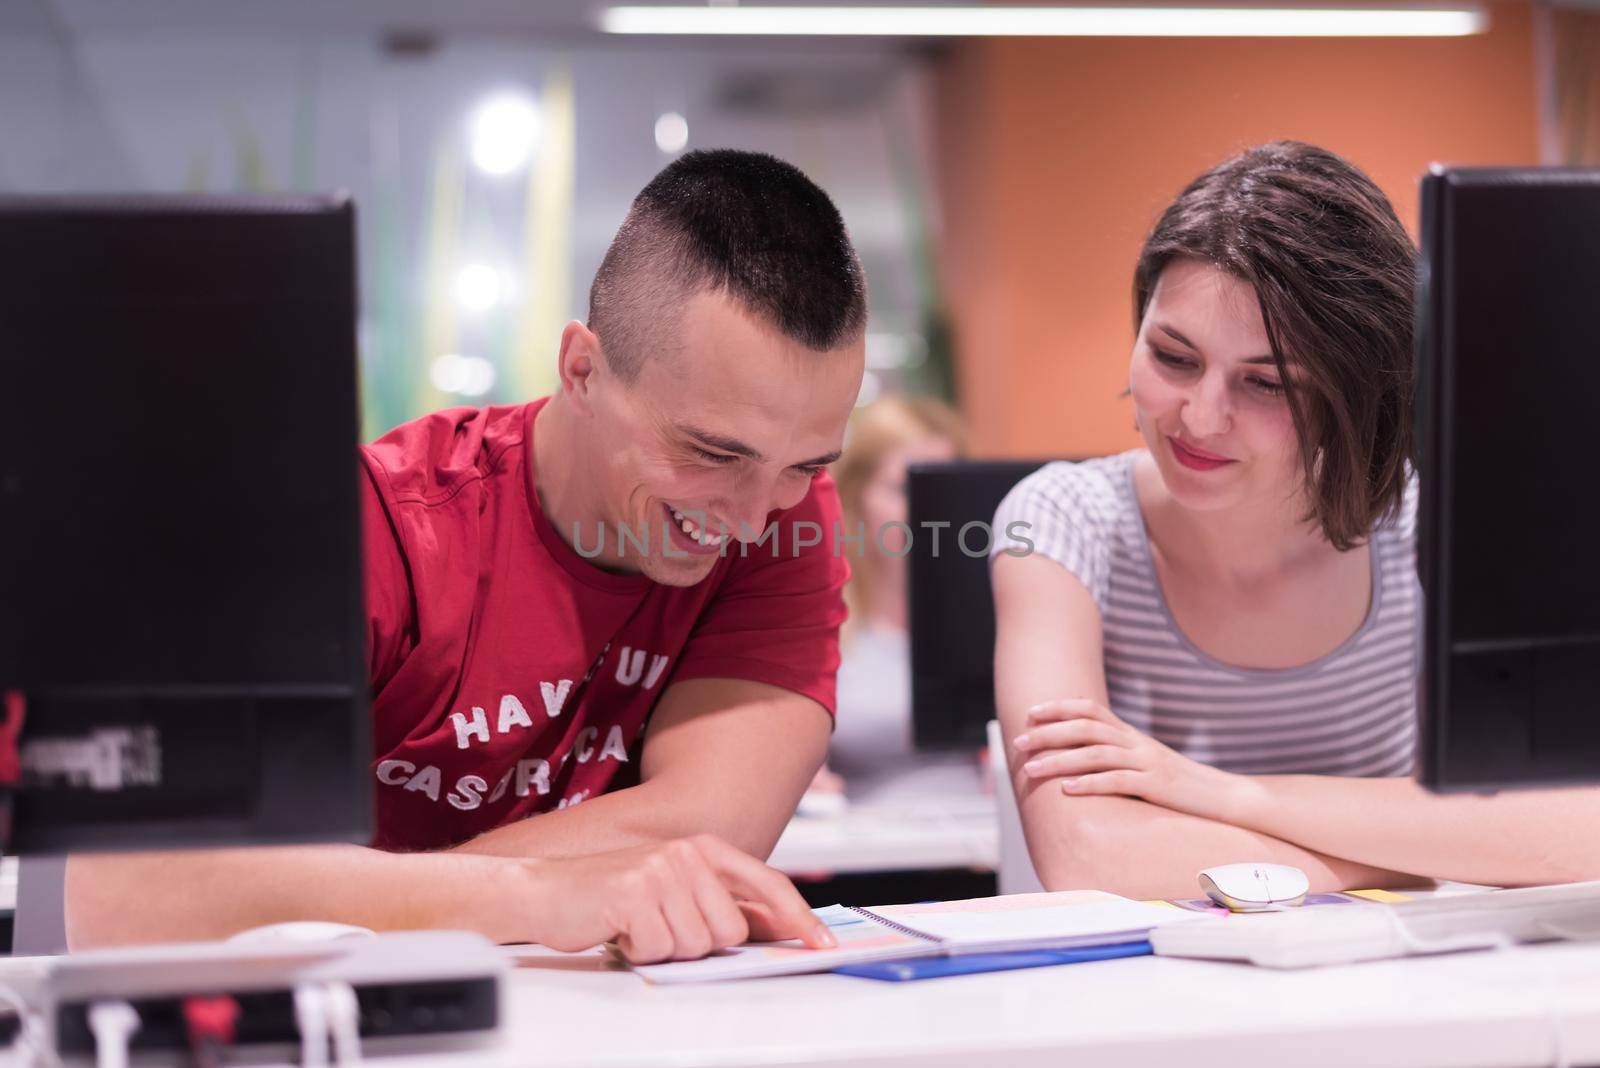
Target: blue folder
[(899, 971)]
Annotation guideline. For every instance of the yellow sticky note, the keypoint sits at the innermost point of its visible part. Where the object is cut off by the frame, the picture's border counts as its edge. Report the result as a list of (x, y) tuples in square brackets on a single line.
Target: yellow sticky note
[(1387, 897)]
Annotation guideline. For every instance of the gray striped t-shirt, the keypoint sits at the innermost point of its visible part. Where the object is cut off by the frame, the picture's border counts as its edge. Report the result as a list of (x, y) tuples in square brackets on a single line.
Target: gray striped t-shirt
[(1351, 712)]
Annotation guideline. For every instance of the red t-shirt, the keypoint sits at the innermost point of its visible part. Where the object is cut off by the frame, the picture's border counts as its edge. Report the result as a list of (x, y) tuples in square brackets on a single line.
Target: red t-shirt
[(511, 676)]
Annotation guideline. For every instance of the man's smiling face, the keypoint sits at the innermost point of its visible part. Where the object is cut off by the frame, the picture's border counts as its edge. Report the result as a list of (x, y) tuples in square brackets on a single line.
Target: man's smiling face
[(728, 426)]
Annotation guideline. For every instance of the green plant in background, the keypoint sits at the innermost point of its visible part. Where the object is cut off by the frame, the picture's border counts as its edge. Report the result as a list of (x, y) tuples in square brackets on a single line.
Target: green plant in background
[(391, 352), (548, 208), (303, 144), (439, 324), (197, 176), (250, 172)]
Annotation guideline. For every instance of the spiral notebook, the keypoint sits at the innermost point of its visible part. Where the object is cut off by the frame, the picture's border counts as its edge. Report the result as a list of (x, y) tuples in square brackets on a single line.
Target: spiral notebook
[(1063, 920)]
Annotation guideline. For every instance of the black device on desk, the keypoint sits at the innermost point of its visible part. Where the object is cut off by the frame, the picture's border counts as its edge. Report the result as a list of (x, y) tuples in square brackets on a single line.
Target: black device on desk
[(182, 625), (181, 618), (951, 606), (1509, 361)]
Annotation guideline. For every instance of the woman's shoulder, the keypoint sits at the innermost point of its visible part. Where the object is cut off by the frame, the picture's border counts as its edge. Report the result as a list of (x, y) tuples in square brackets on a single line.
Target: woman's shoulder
[(1070, 512), (1089, 492), (1401, 524)]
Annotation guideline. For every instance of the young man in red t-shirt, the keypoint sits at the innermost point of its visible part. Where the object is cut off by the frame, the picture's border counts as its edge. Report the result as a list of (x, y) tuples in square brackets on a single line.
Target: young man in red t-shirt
[(656, 542)]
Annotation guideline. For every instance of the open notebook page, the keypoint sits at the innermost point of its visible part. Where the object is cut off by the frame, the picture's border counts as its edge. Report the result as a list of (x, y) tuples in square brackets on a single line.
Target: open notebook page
[(1031, 921), (897, 932)]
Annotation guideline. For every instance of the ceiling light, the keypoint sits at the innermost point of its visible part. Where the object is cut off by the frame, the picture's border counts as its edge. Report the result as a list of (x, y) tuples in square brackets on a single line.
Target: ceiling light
[(480, 287), (504, 131), (672, 132), (468, 376), (985, 21)]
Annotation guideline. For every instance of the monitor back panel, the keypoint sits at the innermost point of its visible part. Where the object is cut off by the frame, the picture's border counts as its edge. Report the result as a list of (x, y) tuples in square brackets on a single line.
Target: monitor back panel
[(951, 604), (1509, 362), (180, 555)]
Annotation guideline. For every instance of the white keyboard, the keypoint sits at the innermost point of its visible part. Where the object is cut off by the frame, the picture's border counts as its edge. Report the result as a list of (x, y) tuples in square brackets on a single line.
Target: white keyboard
[(1342, 934)]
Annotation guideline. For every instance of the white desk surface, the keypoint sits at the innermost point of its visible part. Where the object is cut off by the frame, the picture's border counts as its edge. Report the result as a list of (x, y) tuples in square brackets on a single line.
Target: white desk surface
[(1525, 1006), (945, 833), (1531, 1005)]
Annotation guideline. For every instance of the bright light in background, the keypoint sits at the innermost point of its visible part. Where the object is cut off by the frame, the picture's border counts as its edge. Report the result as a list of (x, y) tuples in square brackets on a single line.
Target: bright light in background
[(887, 352), (468, 376), (984, 21), (480, 287), (504, 131), (871, 386), (672, 132)]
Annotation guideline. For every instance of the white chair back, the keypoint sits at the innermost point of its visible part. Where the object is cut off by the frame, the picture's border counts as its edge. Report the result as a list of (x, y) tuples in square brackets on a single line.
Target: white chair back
[(1015, 874)]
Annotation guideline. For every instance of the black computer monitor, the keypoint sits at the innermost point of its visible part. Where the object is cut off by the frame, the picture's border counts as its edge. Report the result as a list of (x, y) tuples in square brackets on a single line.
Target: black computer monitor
[(951, 605), (180, 556), (1509, 360)]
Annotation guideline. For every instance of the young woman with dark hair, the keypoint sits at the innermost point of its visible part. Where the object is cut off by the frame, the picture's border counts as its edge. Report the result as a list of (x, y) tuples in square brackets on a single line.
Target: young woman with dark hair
[(1211, 654)]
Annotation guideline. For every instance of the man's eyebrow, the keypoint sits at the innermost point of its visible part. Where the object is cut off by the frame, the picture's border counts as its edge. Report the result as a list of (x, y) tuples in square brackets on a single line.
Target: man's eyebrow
[(822, 461), (717, 441), (739, 448), (1178, 337)]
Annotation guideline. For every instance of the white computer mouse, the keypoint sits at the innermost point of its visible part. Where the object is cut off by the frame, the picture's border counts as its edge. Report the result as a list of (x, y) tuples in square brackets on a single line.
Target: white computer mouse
[(1254, 887), (299, 931)]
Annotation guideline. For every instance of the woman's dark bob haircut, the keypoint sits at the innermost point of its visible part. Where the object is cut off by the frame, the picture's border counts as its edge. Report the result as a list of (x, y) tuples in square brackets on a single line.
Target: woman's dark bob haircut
[(1334, 272)]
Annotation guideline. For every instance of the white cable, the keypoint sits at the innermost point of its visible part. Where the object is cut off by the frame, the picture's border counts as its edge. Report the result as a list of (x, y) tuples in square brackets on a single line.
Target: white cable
[(344, 1014), (311, 1014), (1560, 1056), (1413, 944), (113, 1024), (30, 1041)]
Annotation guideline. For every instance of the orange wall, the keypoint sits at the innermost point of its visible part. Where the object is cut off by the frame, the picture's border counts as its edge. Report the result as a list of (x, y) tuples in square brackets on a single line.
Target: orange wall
[(1057, 155)]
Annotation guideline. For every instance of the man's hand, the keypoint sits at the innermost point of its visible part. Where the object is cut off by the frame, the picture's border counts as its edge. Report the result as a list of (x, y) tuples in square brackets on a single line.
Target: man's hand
[(663, 901), (679, 900), (1085, 746)]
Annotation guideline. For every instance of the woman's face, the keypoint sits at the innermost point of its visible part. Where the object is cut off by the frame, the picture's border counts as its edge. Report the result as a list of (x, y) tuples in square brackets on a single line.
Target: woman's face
[(1207, 394), (883, 497)]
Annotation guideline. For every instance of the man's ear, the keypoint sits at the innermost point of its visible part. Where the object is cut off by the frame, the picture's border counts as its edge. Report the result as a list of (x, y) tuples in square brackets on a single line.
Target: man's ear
[(579, 362)]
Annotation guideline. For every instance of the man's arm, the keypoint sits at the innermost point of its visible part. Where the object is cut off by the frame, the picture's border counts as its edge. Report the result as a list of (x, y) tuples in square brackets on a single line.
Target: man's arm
[(120, 899), (727, 757), (1048, 647), (674, 900)]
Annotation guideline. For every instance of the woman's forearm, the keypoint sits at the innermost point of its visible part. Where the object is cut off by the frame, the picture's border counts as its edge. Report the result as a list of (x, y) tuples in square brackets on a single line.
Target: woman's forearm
[(1513, 838), (1139, 850)]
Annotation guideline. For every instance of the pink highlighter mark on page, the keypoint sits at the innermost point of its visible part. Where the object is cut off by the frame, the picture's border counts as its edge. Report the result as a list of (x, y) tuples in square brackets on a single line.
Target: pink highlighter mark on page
[(889, 939)]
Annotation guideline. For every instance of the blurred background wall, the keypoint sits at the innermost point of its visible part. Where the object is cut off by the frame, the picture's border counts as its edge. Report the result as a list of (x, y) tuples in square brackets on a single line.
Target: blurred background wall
[(998, 189), (492, 149), (1057, 156)]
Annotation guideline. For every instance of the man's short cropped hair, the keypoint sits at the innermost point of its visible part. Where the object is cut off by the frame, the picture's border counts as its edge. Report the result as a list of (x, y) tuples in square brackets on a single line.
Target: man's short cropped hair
[(742, 223)]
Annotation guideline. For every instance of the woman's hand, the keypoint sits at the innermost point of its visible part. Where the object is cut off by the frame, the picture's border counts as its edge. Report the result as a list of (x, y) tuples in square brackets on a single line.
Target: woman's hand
[(1085, 746)]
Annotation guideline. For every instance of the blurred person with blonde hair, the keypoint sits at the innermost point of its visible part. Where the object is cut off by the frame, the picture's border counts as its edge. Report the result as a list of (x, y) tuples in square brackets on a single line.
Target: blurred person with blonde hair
[(871, 757)]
